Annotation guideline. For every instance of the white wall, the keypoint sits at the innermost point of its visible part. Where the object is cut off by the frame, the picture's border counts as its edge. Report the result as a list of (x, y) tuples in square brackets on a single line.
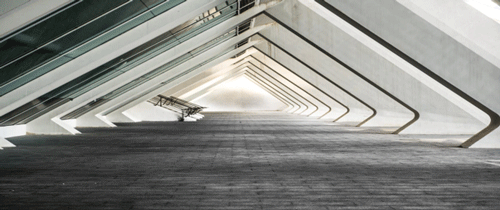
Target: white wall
[(146, 111), (239, 94)]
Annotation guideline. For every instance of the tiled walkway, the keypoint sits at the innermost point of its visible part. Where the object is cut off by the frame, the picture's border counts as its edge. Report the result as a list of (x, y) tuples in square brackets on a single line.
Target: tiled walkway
[(244, 161)]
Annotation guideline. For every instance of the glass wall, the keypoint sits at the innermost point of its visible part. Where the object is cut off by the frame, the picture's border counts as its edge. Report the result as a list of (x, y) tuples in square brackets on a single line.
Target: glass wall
[(38, 49), (121, 64), (143, 79)]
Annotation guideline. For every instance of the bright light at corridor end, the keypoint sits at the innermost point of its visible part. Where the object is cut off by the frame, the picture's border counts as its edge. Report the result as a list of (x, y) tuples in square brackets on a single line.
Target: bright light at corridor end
[(239, 94)]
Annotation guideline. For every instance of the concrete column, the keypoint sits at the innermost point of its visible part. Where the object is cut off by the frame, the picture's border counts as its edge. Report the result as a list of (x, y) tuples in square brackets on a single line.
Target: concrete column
[(236, 71), (335, 38), (203, 86), (4, 143), (303, 89), (221, 65), (121, 117), (92, 119), (450, 42), (49, 124), (279, 89), (146, 111), (368, 105), (217, 65), (281, 84), (336, 110), (245, 95), (10, 131), (154, 86)]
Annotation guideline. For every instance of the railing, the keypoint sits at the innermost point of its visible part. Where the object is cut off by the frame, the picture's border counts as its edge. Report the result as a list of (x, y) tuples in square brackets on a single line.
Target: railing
[(121, 64), (185, 108), (100, 75)]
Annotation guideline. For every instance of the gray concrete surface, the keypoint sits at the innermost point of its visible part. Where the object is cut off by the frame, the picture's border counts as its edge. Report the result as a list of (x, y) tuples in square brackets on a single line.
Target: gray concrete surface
[(459, 51), (264, 160), (438, 115)]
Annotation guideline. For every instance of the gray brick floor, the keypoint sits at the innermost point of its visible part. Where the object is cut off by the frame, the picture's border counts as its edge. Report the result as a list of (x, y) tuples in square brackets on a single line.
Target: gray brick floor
[(245, 161)]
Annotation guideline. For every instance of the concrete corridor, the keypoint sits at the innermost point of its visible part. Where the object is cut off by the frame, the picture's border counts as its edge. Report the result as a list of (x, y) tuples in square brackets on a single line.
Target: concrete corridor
[(260, 160)]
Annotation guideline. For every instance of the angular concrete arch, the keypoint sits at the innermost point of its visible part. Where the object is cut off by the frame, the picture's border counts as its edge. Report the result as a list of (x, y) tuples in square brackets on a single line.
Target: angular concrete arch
[(49, 122), (421, 77), (273, 85), (156, 85), (283, 93), (206, 80), (270, 89), (341, 110), (296, 82), (449, 53), (310, 108), (167, 87), (290, 105), (103, 54), (390, 110), (237, 71), (435, 110), (268, 86), (229, 76), (357, 91)]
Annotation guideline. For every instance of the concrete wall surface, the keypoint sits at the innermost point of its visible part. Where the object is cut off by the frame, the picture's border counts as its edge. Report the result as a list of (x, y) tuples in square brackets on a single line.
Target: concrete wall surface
[(330, 108), (438, 115), (451, 39), (334, 78), (146, 111)]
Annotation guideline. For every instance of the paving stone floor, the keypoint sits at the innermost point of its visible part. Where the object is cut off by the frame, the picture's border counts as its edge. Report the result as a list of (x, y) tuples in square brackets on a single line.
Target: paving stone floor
[(259, 160)]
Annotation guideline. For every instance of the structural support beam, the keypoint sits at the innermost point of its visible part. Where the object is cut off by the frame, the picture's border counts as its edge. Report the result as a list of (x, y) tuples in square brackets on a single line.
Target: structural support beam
[(104, 53), (395, 81), (219, 64), (93, 118), (157, 85), (5, 144), (278, 87), (339, 111), (443, 56)]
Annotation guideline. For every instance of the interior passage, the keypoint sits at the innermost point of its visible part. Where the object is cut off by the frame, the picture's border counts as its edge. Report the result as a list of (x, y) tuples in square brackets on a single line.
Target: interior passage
[(245, 160)]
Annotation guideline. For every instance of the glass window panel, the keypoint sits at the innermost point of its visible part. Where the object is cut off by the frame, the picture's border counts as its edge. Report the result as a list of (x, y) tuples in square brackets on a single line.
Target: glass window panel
[(55, 26), (43, 57), (109, 35), (64, 43), (151, 3), (117, 66), (164, 7)]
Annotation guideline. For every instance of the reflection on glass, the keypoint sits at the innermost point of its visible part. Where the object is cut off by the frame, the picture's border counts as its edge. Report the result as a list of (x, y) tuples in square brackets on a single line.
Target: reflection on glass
[(67, 35), (119, 65)]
